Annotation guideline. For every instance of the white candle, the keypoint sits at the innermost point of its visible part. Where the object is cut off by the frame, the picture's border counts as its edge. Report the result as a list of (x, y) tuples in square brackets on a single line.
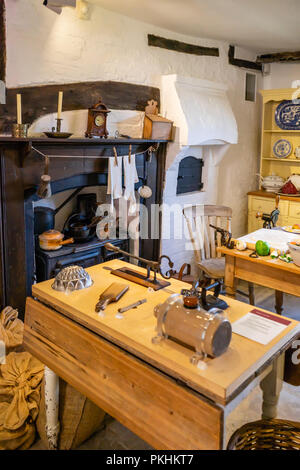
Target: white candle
[(60, 100), (19, 109)]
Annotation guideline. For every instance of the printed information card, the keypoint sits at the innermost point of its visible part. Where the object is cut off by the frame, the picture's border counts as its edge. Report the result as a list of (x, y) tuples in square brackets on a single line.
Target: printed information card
[(260, 326)]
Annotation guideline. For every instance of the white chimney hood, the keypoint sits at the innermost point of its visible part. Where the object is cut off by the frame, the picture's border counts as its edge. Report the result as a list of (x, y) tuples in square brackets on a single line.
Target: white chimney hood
[(200, 110)]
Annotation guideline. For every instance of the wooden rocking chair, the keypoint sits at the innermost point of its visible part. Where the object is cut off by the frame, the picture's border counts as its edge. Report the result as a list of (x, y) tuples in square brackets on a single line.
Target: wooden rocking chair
[(210, 263)]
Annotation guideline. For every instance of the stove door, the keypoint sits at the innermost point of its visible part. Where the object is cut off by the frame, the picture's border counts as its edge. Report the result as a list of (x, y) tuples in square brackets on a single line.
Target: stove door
[(85, 260), (47, 268)]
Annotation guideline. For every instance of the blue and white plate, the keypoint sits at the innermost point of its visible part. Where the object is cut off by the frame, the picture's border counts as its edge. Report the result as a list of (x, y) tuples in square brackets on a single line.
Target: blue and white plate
[(287, 115), (282, 148)]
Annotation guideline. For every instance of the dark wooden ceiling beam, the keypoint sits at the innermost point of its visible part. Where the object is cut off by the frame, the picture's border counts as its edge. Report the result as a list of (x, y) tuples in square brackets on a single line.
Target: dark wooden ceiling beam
[(57, 5), (246, 64), (40, 100), (279, 57), (178, 46)]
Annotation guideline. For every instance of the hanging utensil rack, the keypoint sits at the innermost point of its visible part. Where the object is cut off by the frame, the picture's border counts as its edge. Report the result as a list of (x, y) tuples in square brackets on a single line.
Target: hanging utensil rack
[(94, 148)]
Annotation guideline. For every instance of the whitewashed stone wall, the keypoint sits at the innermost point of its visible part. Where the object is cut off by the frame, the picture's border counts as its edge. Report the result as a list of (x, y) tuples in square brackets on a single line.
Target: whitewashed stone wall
[(282, 75), (47, 48)]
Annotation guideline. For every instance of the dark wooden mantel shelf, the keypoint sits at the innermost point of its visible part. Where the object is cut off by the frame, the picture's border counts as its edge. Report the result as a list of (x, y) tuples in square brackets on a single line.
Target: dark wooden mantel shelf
[(84, 148), (95, 141)]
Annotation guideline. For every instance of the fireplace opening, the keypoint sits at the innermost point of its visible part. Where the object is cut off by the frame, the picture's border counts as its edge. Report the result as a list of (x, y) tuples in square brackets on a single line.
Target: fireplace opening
[(73, 200), (85, 252), (74, 163), (189, 177)]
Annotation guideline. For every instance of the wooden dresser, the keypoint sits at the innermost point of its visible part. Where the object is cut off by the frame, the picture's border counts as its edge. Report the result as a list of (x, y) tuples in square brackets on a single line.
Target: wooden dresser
[(289, 133), (261, 201)]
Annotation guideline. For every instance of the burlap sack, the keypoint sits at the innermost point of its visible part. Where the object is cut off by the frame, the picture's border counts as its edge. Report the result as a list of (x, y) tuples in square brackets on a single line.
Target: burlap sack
[(11, 329), (20, 379), (20, 439), (79, 417)]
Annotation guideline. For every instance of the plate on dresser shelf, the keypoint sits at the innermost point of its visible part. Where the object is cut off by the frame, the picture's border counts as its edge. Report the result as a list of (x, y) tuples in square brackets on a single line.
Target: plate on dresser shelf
[(290, 229), (282, 148), (289, 195), (287, 115)]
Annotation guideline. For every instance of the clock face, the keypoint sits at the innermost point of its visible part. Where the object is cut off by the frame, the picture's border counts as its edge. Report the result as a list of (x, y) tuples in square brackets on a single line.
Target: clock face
[(99, 120)]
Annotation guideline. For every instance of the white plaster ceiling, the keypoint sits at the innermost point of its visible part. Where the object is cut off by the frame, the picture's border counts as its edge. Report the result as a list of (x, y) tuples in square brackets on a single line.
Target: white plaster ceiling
[(259, 25)]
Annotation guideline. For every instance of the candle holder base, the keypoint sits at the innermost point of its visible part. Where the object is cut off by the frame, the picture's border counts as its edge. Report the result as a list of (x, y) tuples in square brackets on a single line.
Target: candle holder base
[(20, 131), (57, 134)]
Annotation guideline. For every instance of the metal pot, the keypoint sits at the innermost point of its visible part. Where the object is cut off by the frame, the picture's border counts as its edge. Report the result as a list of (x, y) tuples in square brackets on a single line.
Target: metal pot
[(53, 240), (44, 217), (81, 230)]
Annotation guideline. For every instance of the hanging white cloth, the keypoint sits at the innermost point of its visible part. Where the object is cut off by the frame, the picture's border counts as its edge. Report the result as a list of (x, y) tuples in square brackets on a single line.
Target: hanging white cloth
[(130, 178), (114, 180)]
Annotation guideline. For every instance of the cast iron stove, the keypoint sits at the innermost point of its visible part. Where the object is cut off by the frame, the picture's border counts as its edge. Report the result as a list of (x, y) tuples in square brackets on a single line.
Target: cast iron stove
[(49, 263)]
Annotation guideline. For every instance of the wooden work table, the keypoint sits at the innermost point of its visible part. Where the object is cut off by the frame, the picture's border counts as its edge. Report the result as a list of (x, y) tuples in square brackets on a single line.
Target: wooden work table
[(153, 389), (264, 270)]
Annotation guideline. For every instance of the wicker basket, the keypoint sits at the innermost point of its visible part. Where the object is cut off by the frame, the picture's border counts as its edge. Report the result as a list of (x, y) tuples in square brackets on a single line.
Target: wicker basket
[(267, 434)]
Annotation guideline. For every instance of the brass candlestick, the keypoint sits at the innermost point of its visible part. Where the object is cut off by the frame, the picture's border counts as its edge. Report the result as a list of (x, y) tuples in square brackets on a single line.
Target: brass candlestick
[(56, 133), (58, 126), (20, 131)]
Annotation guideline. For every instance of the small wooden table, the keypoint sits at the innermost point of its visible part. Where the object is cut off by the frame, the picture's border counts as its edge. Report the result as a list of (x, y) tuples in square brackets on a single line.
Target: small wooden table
[(153, 389), (264, 271)]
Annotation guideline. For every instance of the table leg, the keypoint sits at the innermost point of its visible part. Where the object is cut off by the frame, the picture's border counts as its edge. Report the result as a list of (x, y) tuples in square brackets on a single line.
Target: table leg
[(230, 281), (271, 386), (251, 293), (52, 407), (278, 302)]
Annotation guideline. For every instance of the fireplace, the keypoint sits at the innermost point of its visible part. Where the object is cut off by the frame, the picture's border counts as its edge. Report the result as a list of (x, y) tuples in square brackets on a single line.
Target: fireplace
[(205, 127), (74, 163), (85, 251)]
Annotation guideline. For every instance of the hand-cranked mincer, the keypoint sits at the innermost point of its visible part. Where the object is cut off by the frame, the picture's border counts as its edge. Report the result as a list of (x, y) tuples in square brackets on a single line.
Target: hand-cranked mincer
[(139, 278), (270, 220)]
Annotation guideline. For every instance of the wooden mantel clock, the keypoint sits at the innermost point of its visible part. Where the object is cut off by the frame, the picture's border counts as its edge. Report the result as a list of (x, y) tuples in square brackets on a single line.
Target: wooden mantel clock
[(97, 118)]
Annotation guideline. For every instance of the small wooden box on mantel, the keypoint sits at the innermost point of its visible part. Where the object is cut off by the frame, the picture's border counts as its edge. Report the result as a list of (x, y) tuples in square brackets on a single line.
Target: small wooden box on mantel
[(157, 127)]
